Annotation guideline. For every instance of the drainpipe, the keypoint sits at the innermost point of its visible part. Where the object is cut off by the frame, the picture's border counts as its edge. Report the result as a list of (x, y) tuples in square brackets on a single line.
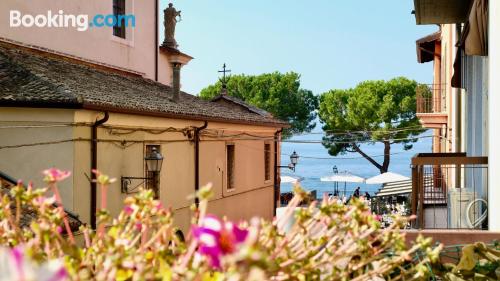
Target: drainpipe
[(276, 196), (197, 159), (156, 40), (93, 166)]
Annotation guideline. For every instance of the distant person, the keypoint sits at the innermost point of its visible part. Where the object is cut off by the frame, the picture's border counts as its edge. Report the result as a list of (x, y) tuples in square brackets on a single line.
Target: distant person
[(368, 196), (357, 192)]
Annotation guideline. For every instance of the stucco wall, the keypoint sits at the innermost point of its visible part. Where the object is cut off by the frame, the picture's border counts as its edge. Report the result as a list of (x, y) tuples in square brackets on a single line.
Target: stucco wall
[(252, 194), (28, 162), (136, 52), (121, 153)]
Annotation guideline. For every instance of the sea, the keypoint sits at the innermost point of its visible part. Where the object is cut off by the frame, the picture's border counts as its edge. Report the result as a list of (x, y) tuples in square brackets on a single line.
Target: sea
[(315, 162)]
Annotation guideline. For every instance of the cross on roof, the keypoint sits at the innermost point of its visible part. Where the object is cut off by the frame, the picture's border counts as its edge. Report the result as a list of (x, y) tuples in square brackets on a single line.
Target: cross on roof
[(224, 71)]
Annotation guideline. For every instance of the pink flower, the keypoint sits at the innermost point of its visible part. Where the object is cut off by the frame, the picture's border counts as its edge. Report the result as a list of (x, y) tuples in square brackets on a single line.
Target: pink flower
[(102, 178), (42, 201), (158, 205), (138, 226), (54, 175), (16, 266), (217, 238), (128, 210)]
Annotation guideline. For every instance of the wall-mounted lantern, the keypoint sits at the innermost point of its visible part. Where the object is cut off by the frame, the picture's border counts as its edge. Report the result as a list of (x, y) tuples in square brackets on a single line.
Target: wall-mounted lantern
[(154, 162), (294, 160)]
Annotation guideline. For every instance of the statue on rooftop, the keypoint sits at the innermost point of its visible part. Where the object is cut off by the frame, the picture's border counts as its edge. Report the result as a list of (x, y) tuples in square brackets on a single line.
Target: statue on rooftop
[(171, 18)]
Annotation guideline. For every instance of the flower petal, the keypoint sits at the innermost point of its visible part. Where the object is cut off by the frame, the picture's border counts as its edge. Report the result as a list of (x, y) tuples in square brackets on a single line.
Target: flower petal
[(212, 222)]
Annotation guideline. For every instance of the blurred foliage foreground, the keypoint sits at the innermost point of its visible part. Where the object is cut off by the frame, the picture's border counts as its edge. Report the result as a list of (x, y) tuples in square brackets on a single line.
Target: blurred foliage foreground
[(478, 261), (327, 241)]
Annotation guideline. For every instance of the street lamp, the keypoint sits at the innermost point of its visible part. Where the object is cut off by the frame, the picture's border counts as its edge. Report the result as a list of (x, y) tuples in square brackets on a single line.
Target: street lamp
[(336, 184), (154, 162), (294, 160)]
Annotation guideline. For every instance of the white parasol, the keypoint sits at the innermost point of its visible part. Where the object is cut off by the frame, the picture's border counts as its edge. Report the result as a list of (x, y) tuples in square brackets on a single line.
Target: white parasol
[(386, 178), (289, 179)]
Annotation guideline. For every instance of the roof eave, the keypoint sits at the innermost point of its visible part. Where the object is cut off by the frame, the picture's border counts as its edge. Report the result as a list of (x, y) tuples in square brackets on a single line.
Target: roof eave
[(280, 124), (41, 104), (422, 52), (242, 103), (441, 11)]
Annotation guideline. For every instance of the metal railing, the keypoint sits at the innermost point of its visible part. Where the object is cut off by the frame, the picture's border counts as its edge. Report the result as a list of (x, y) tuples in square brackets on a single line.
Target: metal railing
[(431, 98), (449, 191)]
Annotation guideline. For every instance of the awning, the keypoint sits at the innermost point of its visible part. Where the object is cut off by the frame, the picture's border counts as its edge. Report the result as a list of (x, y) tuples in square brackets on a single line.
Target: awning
[(474, 39), (395, 188), (426, 47), (441, 11), (476, 30)]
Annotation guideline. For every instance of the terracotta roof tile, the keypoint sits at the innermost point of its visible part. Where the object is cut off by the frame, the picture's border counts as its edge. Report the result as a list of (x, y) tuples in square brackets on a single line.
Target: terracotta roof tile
[(29, 214), (33, 79)]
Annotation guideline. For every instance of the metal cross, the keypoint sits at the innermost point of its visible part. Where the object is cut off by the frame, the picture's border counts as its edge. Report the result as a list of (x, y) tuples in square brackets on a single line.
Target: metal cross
[(224, 71)]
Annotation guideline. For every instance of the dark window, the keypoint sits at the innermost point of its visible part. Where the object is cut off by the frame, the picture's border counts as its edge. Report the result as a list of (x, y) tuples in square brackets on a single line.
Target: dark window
[(230, 166), (153, 181), (267, 161), (119, 13)]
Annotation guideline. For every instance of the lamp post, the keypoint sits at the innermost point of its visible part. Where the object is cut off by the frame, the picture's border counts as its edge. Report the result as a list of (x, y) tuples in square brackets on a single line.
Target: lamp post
[(294, 160), (154, 162), (335, 184)]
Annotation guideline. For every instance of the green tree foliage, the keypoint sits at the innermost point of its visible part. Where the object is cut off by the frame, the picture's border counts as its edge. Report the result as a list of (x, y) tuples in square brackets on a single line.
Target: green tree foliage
[(373, 111), (279, 94)]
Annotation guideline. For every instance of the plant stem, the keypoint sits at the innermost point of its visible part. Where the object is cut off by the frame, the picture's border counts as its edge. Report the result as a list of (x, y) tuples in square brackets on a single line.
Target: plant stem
[(55, 190)]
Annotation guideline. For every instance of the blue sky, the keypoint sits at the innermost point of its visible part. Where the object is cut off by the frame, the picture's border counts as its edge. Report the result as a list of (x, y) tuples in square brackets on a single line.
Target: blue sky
[(331, 43)]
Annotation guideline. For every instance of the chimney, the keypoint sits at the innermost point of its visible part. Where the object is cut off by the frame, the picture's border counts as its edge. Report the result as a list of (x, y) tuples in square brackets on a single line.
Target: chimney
[(176, 81), (169, 48)]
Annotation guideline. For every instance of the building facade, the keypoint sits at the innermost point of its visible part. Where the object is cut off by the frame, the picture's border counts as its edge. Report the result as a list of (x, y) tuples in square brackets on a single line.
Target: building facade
[(461, 109), (106, 98)]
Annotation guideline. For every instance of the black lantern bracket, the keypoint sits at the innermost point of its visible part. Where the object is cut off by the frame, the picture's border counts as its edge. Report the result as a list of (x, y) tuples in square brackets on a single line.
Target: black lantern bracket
[(127, 181), (294, 160), (154, 161)]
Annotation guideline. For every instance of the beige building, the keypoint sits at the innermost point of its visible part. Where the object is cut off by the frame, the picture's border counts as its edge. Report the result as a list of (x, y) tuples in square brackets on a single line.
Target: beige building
[(458, 189), (457, 109), (106, 99)]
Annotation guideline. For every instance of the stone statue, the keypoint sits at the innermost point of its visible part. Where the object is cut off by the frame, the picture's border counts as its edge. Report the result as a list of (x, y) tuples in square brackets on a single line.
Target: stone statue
[(171, 18)]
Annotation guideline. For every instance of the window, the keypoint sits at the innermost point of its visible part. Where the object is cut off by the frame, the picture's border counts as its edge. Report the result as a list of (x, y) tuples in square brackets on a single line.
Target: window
[(267, 161), (119, 12), (230, 166), (153, 182)]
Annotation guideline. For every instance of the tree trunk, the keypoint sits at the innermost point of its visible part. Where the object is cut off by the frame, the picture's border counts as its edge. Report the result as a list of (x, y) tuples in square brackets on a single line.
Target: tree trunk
[(387, 157), (384, 168), (367, 157)]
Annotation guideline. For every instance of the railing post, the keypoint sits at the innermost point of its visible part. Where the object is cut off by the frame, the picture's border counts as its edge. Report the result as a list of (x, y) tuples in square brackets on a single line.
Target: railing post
[(414, 193), (420, 184)]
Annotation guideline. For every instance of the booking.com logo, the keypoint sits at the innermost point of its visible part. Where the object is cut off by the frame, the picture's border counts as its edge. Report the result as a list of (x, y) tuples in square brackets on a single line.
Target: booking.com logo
[(62, 20)]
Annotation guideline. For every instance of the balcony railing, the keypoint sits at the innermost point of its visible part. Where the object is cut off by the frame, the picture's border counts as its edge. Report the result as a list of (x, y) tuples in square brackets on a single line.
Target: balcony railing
[(449, 191), (431, 99)]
